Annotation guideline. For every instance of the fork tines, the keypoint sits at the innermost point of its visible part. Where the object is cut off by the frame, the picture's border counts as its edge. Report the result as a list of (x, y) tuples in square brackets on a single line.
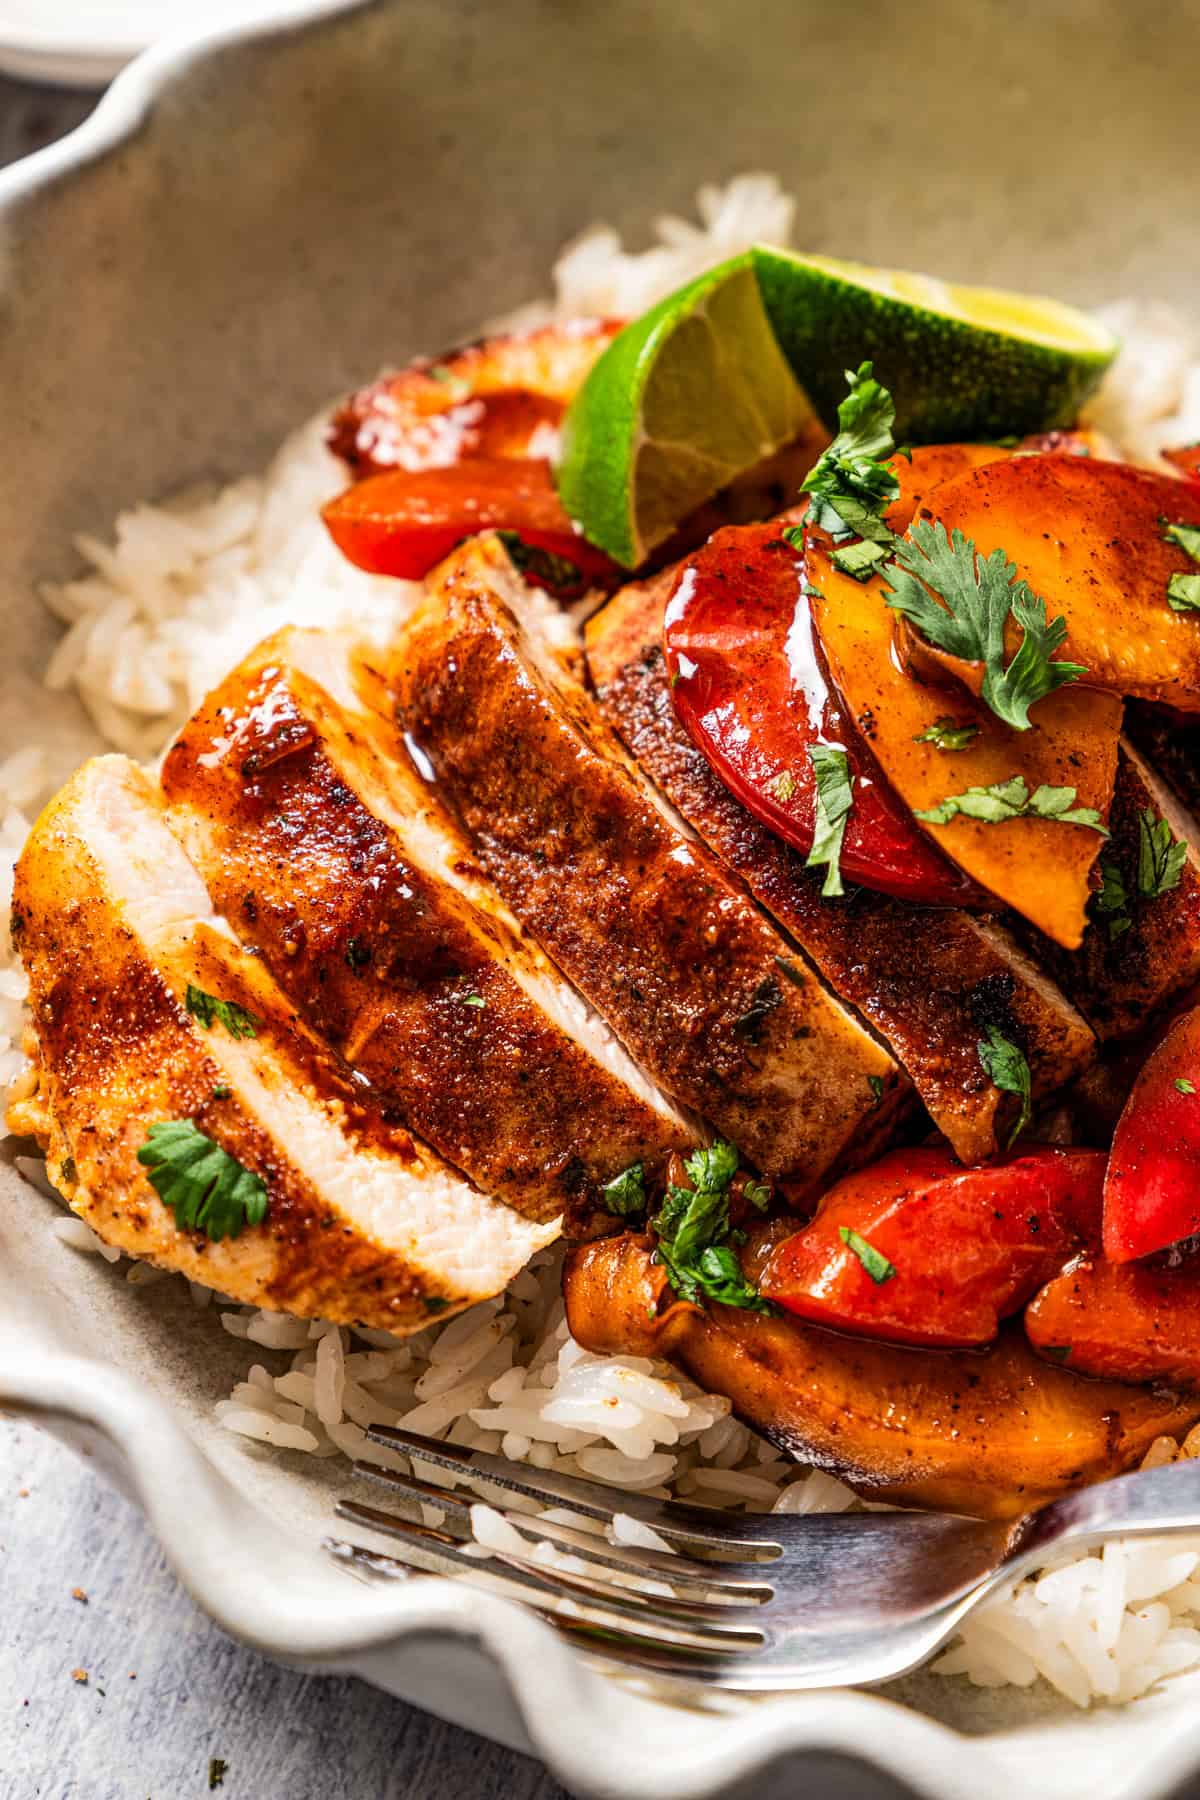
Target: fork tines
[(687, 1604)]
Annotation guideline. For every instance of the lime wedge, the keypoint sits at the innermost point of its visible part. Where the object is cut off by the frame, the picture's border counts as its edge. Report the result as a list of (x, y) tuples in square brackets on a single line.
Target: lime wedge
[(687, 397), (960, 362)]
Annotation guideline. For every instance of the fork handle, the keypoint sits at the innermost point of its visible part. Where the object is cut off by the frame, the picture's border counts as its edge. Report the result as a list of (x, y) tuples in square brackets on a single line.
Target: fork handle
[(1148, 1503)]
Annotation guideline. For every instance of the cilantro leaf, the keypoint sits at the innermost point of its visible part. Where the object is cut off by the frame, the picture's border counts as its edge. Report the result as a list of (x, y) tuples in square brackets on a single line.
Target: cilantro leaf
[(1161, 858), (207, 1189), (712, 1167), (980, 594), (625, 1193), (758, 1193), (849, 484), (1184, 1085), (1004, 1063), (873, 1261), (210, 1010), (474, 1000), (1186, 536), (695, 1238), (860, 560), (1006, 800), (720, 1276), (1113, 899), (1183, 591), (947, 734), (875, 1083), (835, 797)]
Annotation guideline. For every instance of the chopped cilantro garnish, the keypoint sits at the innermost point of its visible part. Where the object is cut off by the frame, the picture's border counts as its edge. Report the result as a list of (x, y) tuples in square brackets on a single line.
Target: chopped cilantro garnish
[(474, 1000), (439, 372), (695, 1238), (712, 1167), (947, 734), (1184, 1085), (1186, 536), (1005, 1064), (1113, 899), (980, 593), (783, 786), (207, 1189), (1160, 863), (1012, 800), (209, 1010), (835, 797), (1060, 1352), (222, 1091), (625, 1194), (873, 1261), (850, 485), (1161, 857), (1183, 591), (861, 560), (758, 1194), (875, 1083), (435, 1303), (358, 954), (216, 1771)]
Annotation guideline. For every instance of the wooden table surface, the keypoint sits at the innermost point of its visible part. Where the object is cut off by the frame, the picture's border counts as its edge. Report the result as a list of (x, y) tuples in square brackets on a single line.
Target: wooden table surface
[(166, 1692)]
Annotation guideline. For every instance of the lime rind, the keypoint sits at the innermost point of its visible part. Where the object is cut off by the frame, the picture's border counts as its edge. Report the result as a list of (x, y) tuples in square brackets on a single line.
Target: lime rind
[(725, 371), (961, 363)]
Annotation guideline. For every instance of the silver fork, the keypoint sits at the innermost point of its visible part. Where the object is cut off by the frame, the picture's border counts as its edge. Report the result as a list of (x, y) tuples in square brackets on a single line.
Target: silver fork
[(753, 1602)]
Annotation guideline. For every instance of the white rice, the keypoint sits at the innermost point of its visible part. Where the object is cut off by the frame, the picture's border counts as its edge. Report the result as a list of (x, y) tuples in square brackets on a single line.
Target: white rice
[(184, 589)]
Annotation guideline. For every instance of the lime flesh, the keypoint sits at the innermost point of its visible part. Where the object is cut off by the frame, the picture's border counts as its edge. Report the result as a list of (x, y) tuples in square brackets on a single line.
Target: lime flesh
[(685, 399)]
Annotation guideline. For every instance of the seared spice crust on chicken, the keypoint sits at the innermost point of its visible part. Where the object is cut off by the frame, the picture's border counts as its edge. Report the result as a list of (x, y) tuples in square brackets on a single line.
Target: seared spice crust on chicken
[(363, 1222), (930, 980), (649, 927), (318, 842)]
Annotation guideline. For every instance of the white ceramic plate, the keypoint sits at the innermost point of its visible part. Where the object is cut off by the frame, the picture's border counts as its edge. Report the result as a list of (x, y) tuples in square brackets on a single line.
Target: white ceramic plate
[(84, 43), (254, 221)]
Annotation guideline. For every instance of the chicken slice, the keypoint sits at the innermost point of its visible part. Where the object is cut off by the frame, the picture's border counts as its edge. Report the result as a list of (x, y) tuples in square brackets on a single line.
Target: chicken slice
[(705, 993), (364, 1224), (1137, 956), (931, 982), (294, 798)]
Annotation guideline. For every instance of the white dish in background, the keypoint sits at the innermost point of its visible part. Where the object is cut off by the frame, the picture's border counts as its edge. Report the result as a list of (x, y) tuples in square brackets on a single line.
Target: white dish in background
[(84, 43), (387, 215)]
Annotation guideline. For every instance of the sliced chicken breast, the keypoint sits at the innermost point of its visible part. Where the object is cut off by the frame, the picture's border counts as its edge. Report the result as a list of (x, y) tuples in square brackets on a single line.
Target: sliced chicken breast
[(363, 1222), (931, 982), (712, 1001), (1139, 955), (294, 798)]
